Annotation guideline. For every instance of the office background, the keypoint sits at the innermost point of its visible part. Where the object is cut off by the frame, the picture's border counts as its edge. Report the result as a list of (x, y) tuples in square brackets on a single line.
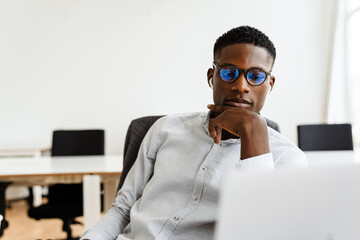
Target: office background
[(99, 64)]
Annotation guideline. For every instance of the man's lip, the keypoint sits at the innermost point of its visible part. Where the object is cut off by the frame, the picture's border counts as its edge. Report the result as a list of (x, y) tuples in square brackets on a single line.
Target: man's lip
[(237, 102)]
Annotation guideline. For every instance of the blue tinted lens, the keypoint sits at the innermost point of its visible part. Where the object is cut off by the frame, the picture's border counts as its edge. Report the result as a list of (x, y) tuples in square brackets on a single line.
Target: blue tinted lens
[(229, 73), (256, 76)]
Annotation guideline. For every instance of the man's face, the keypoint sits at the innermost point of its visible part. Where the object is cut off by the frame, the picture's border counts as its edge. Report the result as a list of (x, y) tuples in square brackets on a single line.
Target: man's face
[(240, 93)]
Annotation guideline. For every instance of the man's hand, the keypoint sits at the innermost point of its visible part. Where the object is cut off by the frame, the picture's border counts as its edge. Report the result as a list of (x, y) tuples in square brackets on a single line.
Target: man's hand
[(246, 124)]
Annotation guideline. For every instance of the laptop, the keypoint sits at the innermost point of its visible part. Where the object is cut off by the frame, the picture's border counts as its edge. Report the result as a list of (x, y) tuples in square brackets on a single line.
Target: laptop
[(319, 203)]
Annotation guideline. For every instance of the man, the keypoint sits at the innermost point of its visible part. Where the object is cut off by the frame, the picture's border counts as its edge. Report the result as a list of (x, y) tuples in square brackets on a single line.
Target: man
[(172, 190)]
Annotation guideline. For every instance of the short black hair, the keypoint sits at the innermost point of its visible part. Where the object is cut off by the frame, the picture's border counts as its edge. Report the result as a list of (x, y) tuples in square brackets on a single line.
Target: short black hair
[(245, 34)]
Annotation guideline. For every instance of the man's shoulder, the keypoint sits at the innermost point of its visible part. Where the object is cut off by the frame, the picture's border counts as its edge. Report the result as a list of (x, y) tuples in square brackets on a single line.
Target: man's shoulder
[(277, 138), (281, 147), (280, 144)]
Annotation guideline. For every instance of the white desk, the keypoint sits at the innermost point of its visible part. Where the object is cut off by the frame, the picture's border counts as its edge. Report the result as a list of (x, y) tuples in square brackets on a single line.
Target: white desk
[(91, 170), (321, 158), (18, 192)]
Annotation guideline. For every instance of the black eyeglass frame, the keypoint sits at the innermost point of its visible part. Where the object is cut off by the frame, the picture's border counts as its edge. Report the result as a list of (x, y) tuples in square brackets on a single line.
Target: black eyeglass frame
[(245, 71)]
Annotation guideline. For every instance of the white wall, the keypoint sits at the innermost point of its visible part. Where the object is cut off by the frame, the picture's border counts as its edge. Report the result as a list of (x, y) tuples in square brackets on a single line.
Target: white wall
[(86, 64)]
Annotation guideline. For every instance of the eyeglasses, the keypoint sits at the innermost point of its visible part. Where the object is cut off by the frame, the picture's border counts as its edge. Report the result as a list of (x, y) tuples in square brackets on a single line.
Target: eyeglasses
[(254, 76)]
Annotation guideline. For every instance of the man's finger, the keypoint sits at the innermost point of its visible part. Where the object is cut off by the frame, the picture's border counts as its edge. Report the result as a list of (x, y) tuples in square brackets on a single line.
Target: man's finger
[(217, 139), (215, 130), (212, 132), (215, 133)]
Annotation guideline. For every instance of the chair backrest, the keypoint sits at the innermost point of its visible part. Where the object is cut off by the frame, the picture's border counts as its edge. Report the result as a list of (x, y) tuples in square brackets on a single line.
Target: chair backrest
[(78, 142), (135, 134), (314, 137)]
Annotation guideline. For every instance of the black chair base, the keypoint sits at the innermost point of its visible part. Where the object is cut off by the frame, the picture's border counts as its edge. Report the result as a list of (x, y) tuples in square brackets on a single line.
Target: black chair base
[(62, 211), (66, 227)]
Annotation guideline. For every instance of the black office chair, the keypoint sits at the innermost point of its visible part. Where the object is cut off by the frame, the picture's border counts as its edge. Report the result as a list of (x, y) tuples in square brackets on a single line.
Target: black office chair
[(4, 223), (135, 134), (65, 201), (315, 137)]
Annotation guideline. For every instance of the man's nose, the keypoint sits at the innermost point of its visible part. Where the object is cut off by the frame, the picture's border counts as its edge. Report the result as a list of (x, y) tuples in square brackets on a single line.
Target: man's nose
[(241, 85)]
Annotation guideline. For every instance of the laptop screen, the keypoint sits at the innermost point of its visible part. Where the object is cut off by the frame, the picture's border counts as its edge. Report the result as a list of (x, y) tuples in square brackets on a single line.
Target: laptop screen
[(321, 203)]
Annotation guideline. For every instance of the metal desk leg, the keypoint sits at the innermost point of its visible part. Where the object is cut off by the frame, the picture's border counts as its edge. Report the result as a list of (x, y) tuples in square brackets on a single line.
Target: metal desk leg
[(92, 202)]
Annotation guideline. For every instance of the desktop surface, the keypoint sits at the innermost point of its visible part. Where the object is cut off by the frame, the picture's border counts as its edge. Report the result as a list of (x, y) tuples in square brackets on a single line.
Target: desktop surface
[(25, 166)]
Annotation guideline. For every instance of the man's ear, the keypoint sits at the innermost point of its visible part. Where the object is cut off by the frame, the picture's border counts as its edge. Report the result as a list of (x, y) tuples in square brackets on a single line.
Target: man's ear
[(272, 83), (210, 74)]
